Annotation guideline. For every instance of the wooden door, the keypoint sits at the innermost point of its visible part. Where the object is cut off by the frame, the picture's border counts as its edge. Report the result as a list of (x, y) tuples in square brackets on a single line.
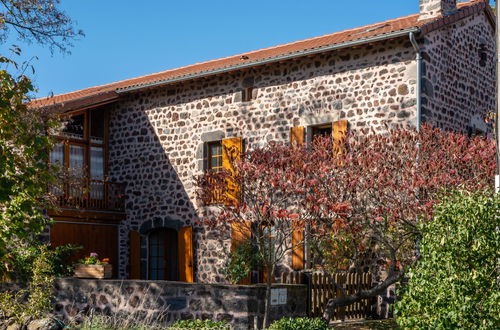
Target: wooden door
[(97, 238), (163, 255)]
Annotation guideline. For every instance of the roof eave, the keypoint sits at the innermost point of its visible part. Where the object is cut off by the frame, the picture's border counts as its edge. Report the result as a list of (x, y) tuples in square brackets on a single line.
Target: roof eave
[(241, 66)]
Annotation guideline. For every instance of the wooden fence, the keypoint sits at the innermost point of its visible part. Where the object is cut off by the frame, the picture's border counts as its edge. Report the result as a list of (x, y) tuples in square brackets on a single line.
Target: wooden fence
[(323, 287)]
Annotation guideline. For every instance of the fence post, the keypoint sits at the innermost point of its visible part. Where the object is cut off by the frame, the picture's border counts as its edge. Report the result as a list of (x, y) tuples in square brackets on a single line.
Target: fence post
[(308, 282)]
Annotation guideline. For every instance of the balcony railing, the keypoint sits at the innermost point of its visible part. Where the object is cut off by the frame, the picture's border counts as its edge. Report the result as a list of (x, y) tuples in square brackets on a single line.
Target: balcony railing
[(90, 195)]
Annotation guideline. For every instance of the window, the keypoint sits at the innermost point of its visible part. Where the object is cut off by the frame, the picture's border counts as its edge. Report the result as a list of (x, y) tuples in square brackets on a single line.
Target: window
[(214, 156), (247, 94), (81, 156), (337, 130), (163, 255), (75, 127), (323, 130), (221, 155)]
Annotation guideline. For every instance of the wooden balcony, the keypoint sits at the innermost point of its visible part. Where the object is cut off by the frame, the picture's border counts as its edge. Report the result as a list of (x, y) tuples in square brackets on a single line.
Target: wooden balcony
[(93, 195)]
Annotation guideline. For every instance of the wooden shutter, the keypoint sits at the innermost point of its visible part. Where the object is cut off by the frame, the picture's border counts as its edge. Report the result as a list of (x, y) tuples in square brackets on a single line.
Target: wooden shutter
[(185, 238), (135, 255), (297, 135), (339, 132), (231, 152), (298, 248), (241, 233)]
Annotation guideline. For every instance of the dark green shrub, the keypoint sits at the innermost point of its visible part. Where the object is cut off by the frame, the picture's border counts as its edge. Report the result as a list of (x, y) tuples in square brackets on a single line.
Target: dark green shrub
[(199, 324), (243, 260), (456, 283), (301, 323)]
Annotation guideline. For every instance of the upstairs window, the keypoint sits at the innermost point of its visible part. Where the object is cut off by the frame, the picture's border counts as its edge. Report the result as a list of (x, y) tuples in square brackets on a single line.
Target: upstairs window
[(222, 155), (247, 94), (322, 131), (214, 156), (97, 126), (75, 127)]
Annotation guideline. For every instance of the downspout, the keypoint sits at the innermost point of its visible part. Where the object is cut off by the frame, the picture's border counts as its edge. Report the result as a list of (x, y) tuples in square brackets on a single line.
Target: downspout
[(418, 58)]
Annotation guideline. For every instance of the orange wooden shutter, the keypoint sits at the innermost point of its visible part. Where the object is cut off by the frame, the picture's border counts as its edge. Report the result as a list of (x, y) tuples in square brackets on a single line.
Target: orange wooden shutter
[(298, 249), (339, 132), (135, 255), (231, 152), (297, 136), (241, 233), (185, 237)]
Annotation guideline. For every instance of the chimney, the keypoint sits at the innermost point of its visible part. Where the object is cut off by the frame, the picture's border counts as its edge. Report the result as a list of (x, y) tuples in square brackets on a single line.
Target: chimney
[(435, 8)]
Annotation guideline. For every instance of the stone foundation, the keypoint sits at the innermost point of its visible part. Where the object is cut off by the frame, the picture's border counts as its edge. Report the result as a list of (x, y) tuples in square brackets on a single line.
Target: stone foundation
[(170, 301)]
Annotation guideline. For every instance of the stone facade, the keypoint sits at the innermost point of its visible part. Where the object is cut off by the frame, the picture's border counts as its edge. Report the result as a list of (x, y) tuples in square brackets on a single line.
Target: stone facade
[(157, 137), (459, 75), (170, 301)]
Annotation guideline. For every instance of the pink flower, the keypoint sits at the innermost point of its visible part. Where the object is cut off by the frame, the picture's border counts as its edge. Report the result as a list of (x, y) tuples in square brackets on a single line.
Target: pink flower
[(93, 254)]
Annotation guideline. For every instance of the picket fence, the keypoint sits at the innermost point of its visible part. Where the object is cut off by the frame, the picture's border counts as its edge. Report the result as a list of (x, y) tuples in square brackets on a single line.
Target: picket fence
[(323, 286)]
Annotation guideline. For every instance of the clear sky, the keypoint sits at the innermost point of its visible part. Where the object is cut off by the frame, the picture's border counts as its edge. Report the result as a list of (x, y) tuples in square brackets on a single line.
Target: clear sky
[(128, 38)]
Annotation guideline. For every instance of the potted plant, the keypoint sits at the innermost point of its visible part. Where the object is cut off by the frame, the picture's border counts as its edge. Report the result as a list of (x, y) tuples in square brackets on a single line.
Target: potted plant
[(92, 267)]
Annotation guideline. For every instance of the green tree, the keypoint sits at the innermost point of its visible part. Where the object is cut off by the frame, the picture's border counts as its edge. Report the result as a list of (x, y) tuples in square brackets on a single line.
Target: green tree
[(456, 284), (24, 167)]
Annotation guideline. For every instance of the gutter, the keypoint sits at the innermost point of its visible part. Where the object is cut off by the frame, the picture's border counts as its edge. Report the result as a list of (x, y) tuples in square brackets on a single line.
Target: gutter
[(314, 51), (418, 57)]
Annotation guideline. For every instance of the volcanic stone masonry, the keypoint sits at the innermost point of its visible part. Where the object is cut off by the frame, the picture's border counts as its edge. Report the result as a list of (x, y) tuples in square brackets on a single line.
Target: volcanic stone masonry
[(157, 137)]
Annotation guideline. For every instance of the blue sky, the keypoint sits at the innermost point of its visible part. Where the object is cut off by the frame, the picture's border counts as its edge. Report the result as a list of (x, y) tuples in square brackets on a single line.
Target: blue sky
[(128, 38)]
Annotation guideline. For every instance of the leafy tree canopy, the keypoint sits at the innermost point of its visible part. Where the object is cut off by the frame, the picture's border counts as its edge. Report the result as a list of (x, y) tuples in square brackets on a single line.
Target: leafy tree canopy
[(455, 285)]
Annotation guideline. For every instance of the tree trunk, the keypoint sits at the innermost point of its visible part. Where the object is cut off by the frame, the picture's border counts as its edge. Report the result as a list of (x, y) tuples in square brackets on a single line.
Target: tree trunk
[(269, 283), (348, 300)]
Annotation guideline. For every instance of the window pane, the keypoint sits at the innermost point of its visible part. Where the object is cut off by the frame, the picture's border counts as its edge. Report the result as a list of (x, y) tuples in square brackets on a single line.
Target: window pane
[(57, 155), (215, 162), (76, 161), (215, 149), (96, 163), (57, 159), (74, 127), (97, 126)]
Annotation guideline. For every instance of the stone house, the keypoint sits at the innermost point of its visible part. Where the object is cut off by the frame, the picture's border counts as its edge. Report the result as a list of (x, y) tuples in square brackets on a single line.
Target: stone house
[(139, 143)]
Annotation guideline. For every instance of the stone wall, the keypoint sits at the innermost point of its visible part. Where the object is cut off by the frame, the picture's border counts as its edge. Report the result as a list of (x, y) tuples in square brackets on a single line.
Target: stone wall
[(157, 137), (459, 75), (170, 301)]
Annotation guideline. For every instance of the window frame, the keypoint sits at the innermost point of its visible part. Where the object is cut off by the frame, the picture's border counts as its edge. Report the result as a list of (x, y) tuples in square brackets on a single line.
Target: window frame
[(210, 155)]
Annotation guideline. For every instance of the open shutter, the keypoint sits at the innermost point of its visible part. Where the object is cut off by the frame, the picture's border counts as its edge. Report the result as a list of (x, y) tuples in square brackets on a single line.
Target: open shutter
[(339, 132), (185, 238), (298, 248), (297, 135), (241, 233), (135, 255), (231, 152)]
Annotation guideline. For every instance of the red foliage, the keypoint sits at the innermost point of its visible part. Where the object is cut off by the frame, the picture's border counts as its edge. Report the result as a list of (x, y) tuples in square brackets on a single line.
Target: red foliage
[(374, 192)]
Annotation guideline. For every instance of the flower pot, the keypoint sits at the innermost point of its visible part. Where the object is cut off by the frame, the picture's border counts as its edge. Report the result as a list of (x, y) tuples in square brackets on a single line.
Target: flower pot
[(93, 271)]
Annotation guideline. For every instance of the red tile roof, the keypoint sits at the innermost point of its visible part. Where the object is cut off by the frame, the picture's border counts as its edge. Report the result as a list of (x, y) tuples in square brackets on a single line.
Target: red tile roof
[(109, 92)]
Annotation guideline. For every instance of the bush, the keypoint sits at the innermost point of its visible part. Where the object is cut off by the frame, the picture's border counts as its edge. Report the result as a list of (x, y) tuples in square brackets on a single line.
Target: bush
[(199, 324), (35, 301), (301, 323), (57, 257), (242, 261), (455, 284)]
